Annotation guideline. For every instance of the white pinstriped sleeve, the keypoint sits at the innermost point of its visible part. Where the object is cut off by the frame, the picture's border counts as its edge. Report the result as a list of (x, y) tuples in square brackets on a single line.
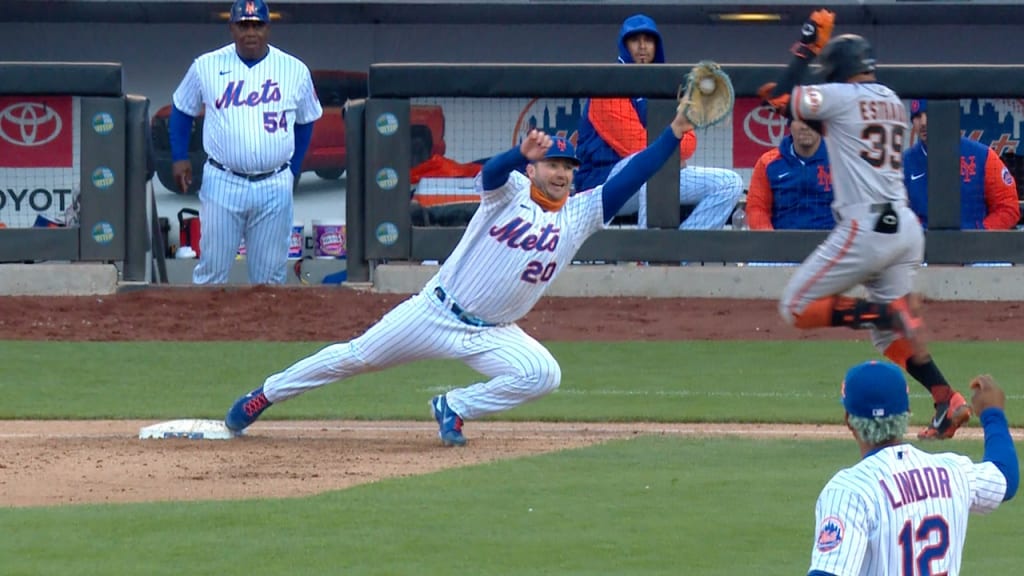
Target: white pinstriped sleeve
[(517, 185), (842, 531), (586, 211), (988, 485), (188, 97), (308, 109)]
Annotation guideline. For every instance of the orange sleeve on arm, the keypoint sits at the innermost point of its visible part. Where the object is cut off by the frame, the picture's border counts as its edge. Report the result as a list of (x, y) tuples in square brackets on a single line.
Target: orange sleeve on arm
[(759, 197), (618, 125), (687, 146), (1002, 207)]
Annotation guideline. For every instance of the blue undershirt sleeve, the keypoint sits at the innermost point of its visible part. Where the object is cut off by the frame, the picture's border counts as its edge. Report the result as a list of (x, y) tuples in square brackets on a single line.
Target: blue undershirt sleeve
[(179, 130), (621, 187), (303, 135), (495, 172), (999, 448)]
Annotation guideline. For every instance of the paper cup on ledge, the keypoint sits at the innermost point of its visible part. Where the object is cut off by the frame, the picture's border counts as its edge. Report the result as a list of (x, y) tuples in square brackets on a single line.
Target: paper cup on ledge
[(295, 242), (329, 239)]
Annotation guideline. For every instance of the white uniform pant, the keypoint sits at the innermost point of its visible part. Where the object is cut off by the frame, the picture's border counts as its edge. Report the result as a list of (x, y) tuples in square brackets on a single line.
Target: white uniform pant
[(715, 191), (234, 208), (518, 368), (854, 254)]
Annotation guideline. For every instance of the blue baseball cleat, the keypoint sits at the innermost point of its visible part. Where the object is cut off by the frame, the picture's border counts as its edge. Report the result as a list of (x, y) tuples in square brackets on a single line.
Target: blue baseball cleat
[(449, 423), (246, 410)]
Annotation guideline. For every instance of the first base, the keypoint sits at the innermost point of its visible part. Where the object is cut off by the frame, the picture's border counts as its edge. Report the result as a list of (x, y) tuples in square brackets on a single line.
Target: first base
[(189, 429)]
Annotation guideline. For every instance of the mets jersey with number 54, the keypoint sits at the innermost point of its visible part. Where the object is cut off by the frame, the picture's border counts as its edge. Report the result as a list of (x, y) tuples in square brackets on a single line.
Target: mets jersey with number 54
[(250, 111)]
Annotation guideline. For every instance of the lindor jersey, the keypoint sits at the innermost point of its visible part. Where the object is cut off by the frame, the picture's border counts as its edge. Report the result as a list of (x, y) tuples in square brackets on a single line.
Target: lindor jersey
[(865, 128), (902, 511), (512, 249), (250, 112)]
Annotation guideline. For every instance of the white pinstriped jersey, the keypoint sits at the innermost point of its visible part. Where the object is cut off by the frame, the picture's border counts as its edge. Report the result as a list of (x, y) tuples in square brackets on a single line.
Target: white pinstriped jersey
[(512, 249), (902, 512), (249, 111), (865, 129)]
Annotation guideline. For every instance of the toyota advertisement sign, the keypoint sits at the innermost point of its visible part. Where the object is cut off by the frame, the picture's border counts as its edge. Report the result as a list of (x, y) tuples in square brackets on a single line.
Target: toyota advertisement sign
[(38, 159), (756, 129)]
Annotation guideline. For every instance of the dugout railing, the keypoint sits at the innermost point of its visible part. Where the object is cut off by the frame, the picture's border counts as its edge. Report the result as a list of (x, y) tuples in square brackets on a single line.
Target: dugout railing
[(110, 166), (380, 226)]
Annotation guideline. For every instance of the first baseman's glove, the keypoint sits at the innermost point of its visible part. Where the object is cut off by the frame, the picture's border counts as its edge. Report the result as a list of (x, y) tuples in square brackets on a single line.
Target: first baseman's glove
[(707, 96)]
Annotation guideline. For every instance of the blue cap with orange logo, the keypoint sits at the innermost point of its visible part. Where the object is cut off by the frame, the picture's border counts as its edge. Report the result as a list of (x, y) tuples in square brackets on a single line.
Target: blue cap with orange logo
[(875, 390), (250, 10), (918, 107), (562, 148)]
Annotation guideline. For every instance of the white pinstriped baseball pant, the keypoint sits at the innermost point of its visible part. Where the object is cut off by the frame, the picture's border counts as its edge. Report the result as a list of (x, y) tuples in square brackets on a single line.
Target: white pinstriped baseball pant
[(519, 368), (715, 191)]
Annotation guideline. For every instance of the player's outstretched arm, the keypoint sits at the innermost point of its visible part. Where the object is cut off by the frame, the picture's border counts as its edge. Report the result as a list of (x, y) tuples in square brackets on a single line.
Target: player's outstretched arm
[(987, 401), (495, 172), (814, 34), (619, 188)]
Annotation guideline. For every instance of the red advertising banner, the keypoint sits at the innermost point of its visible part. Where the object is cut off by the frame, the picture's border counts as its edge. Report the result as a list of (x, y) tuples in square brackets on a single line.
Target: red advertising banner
[(755, 130), (36, 132)]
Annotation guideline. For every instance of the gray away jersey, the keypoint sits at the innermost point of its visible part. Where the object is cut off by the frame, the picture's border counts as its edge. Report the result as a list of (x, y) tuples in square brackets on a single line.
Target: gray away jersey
[(512, 249), (865, 129), (900, 512), (250, 112)]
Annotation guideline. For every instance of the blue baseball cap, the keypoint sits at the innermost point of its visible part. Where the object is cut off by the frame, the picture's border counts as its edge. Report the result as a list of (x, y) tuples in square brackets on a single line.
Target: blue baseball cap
[(250, 10), (917, 107), (562, 148), (875, 390)]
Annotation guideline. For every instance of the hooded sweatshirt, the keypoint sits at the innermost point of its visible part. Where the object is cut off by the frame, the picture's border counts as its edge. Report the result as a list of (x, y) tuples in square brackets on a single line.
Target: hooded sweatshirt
[(612, 128)]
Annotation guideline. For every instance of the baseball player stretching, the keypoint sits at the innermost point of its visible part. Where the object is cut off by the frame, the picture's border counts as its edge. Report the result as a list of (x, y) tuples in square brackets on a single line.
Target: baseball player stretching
[(260, 106), (878, 241), (525, 232), (901, 511)]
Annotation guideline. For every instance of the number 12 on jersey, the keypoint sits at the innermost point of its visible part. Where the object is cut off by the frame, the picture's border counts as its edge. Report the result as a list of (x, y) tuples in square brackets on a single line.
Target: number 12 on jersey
[(920, 564)]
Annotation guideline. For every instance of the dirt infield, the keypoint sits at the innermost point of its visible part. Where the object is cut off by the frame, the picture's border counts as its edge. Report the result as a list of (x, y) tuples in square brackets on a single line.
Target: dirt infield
[(47, 462)]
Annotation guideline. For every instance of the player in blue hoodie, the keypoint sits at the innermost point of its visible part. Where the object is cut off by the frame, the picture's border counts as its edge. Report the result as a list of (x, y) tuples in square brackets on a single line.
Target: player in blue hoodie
[(612, 130)]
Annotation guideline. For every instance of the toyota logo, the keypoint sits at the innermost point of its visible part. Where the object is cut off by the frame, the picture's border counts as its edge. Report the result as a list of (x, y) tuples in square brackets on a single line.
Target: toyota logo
[(29, 124), (763, 126)]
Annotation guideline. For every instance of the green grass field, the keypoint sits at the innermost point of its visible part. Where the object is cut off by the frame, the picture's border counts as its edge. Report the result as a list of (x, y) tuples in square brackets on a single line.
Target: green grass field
[(653, 505)]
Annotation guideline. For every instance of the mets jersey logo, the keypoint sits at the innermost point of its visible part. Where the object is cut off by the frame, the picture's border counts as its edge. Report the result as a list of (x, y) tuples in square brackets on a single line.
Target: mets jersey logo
[(233, 95), (830, 536), (514, 235), (824, 179), (968, 168)]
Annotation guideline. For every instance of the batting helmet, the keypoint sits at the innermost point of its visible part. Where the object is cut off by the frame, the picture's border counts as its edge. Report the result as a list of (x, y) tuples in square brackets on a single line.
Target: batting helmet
[(845, 56), (253, 10)]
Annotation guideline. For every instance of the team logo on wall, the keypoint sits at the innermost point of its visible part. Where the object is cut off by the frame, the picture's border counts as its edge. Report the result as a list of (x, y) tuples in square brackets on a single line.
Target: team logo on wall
[(554, 116), (387, 124), (36, 132), (103, 233), (103, 177), (103, 123), (994, 122), (755, 130), (387, 178), (387, 233)]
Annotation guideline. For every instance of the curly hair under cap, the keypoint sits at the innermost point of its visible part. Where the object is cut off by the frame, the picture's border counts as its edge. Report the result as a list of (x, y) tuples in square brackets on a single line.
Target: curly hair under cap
[(875, 431)]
